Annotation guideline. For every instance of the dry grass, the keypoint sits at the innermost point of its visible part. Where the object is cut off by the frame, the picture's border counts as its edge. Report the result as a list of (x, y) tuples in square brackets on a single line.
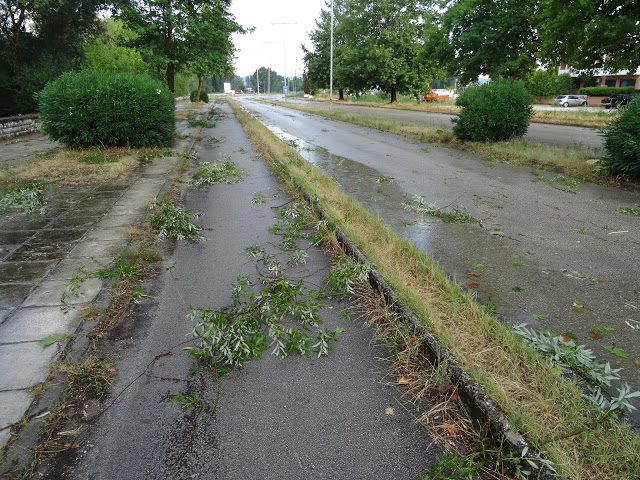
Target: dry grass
[(64, 165), (535, 398)]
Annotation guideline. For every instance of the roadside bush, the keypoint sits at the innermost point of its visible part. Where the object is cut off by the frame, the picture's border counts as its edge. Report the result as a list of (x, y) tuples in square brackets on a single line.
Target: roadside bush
[(107, 108), (622, 143), (497, 110), (605, 91), (547, 83), (203, 96)]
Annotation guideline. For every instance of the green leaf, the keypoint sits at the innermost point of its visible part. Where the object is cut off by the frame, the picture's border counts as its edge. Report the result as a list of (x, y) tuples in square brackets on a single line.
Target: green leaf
[(53, 338), (617, 351), (538, 316)]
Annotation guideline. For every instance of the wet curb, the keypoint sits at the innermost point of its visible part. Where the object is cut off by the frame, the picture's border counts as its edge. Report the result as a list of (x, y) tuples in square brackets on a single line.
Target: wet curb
[(482, 409)]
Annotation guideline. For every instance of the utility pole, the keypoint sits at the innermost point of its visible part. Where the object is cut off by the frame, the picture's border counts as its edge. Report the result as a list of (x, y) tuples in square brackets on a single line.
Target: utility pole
[(284, 39), (269, 79)]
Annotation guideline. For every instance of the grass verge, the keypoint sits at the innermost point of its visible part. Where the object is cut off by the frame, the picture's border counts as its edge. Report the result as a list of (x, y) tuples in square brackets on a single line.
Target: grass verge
[(574, 117), (572, 161), (541, 403)]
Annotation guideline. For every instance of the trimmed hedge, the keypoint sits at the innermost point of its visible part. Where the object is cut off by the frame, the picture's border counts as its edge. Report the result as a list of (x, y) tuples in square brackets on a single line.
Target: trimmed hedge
[(82, 109), (498, 110), (605, 91), (622, 143)]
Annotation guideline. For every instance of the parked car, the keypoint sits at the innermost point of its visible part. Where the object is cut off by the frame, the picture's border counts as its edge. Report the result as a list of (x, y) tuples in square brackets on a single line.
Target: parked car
[(617, 100), (570, 100)]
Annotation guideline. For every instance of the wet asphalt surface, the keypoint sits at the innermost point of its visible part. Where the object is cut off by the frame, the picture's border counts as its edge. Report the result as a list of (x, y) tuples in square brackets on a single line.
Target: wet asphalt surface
[(297, 418), (541, 248)]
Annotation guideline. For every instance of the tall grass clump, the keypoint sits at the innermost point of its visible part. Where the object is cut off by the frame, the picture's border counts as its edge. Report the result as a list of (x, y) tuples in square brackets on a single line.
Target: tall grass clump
[(622, 143), (498, 110), (83, 109)]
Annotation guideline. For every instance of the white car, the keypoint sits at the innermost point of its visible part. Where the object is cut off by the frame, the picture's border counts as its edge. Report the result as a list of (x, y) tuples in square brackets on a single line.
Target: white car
[(570, 100)]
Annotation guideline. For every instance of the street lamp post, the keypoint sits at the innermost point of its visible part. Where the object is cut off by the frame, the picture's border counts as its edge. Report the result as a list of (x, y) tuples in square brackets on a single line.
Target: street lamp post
[(284, 39)]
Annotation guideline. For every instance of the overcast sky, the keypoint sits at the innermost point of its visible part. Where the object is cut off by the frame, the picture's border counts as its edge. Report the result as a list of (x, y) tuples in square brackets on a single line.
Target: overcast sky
[(256, 49)]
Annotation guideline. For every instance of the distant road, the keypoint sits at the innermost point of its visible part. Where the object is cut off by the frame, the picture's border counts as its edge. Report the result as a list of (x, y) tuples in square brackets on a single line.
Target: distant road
[(547, 134)]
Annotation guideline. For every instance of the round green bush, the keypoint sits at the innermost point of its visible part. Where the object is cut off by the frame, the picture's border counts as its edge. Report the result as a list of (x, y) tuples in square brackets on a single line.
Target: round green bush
[(203, 96), (498, 110), (622, 143), (107, 108)]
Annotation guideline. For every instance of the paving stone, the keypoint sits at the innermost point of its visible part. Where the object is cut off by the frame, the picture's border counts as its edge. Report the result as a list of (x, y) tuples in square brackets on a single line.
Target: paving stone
[(39, 252), (34, 324), (72, 221), (13, 405), (22, 272), (111, 233), (13, 295), (3, 315), (96, 249), (68, 268), (48, 293), (15, 236), (24, 364), (6, 250), (109, 221), (128, 209)]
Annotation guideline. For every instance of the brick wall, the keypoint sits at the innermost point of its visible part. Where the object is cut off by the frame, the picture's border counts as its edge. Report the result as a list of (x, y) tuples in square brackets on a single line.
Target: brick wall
[(19, 125)]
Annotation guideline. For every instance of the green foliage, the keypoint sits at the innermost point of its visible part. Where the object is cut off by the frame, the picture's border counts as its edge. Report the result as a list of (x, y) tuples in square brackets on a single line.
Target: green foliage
[(498, 110), (203, 96), (605, 91), (27, 199), (105, 51), (452, 467), (345, 274), (96, 156), (224, 171), (187, 400), (172, 221), (622, 143), (582, 360), (547, 83), (480, 37), (584, 33), (419, 205), (107, 108)]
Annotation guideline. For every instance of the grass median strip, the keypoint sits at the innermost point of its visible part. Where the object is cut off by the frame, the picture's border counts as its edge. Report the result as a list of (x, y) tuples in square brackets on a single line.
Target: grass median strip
[(559, 116), (572, 161), (537, 399)]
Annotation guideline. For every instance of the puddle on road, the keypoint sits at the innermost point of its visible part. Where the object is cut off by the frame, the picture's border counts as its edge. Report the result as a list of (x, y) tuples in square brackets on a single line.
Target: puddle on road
[(379, 194)]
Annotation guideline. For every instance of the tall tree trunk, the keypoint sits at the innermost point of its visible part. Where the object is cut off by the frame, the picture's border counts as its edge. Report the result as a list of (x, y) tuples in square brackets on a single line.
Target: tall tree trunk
[(199, 88), (340, 94), (171, 71), (394, 96)]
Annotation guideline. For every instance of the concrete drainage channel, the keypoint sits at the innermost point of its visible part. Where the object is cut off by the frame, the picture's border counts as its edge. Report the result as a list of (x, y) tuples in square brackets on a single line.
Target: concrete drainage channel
[(25, 362), (481, 408)]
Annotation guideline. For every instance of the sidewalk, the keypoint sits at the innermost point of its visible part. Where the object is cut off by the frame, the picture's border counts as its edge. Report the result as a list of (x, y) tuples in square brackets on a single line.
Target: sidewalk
[(86, 228)]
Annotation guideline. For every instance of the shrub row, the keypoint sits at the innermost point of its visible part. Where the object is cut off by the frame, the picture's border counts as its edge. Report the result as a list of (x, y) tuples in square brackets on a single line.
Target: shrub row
[(107, 108), (622, 143), (203, 96), (605, 91)]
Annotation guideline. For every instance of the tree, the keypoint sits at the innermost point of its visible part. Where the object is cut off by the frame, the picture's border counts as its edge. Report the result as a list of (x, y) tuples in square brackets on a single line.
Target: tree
[(105, 51), (547, 83), (238, 82), (208, 40), (317, 62), (486, 37), (381, 46), (172, 34), (38, 41), (591, 34)]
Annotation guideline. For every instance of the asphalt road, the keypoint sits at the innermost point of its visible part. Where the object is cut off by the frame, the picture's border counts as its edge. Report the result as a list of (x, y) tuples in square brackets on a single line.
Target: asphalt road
[(542, 246), (298, 418), (547, 134)]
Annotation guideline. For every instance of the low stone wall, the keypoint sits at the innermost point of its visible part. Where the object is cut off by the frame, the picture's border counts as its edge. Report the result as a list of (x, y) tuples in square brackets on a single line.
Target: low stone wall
[(19, 125)]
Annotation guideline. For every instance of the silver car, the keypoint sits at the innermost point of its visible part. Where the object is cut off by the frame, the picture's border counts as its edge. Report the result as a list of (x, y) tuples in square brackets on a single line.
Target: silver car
[(570, 100)]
